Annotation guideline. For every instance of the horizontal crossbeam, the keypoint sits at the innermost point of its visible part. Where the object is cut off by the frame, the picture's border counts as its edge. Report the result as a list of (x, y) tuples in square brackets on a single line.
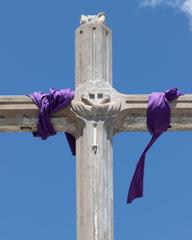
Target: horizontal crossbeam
[(132, 116), (20, 114)]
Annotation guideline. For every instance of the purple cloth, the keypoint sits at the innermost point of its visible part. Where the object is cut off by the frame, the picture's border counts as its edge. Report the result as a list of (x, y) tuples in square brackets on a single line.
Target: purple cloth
[(158, 121), (49, 103)]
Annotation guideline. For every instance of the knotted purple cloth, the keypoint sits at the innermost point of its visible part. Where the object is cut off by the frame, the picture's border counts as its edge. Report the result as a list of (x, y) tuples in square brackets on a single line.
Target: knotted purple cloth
[(158, 121), (49, 103)]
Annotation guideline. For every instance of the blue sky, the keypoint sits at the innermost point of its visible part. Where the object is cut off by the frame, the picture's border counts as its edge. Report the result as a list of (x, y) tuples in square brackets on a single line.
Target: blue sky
[(152, 51)]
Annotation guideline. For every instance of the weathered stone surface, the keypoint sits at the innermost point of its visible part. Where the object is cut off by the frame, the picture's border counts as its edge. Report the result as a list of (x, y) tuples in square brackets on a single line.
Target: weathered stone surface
[(19, 113), (132, 116), (97, 110)]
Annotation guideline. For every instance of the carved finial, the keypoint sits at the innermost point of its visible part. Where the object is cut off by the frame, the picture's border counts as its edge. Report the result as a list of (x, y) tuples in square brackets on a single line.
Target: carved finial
[(99, 18)]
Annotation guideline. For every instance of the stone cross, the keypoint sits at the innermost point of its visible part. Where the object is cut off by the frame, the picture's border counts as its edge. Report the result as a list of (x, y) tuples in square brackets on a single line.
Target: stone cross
[(96, 114)]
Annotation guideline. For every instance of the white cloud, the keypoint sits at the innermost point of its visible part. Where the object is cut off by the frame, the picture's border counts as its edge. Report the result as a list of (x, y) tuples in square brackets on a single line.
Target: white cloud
[(185, 6), (151, 3)]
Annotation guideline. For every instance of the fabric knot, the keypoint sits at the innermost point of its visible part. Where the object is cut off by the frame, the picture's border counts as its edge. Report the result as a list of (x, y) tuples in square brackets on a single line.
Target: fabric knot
[(49, 103), (172, 94)]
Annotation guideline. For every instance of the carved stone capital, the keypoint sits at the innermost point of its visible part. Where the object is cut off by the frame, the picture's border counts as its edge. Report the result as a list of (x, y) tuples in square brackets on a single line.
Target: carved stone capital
[(99, 18), (100, 110)]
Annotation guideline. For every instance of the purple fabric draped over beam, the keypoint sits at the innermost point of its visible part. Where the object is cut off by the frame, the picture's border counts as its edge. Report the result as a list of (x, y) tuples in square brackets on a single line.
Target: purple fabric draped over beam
[(49, 103), (158, 121)]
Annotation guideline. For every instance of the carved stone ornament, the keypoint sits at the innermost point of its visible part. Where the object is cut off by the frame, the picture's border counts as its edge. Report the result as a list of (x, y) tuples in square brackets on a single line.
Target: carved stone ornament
[(90, 109), (99, 18)]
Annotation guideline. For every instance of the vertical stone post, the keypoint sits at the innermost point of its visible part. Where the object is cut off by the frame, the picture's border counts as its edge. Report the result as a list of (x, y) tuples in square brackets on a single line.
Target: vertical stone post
[(93, 105), (94, 183)]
